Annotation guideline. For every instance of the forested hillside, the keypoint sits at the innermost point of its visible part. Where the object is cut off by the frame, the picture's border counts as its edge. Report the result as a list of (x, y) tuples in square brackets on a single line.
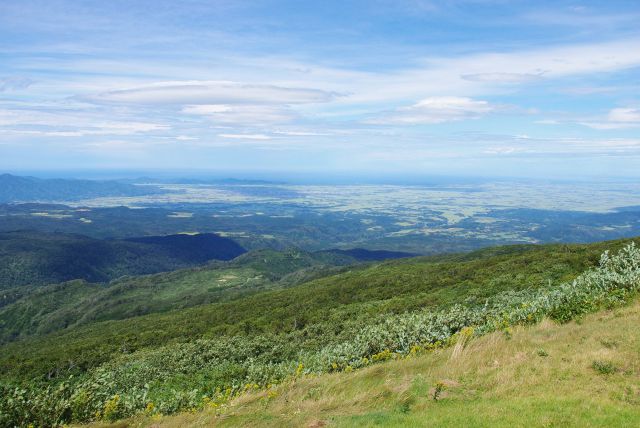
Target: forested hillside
[(33, 258), (30, 310)]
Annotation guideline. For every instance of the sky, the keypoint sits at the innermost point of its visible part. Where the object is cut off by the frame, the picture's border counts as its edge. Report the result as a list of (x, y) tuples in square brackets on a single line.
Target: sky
[(378, 87)]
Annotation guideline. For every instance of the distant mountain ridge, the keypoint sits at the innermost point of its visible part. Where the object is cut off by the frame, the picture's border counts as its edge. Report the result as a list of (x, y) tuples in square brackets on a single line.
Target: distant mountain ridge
[(184, 180), (15, 188)]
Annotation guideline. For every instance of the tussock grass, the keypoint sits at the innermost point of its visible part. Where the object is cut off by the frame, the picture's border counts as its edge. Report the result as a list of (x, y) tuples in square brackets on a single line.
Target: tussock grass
[(491, 381)]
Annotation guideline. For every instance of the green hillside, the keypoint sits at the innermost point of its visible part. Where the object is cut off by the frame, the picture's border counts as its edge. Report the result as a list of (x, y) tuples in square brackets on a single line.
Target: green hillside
[(182, 358), (322, 308), (55, 307), (36, 258)]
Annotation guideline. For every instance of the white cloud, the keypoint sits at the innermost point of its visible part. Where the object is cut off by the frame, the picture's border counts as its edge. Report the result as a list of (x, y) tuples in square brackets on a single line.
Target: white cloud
[(126, 128), (481, 145), (591, 90), (436, 110), (245, 136), (485, 73), (504, 150), (496, 77), (301, 133), (471, 75), (124, 147), (242, 114), (606, 126), (206, 109), (70, 124), (212, 93), (186, 138), (625, 115), (276, 94), (618, 118)]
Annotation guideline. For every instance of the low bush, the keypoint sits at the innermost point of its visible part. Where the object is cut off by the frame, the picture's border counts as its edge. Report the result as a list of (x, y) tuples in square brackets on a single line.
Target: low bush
[(604, 367)]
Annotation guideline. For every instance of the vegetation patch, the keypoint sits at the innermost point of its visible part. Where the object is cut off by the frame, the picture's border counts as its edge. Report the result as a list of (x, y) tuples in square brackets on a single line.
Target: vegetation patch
[(184, 376), (604, 367)]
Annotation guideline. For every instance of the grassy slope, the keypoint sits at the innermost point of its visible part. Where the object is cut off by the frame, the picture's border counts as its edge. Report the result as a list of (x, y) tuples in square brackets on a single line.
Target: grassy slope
[(354, 296), (493, 382)]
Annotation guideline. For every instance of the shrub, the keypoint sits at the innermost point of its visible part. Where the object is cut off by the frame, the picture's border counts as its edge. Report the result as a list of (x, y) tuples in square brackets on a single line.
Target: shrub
[(437, 391), (604, 367), (542, 353)]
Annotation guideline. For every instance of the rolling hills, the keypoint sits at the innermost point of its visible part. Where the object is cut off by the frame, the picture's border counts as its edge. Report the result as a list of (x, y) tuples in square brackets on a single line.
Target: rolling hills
[(40, 310), (35, 310)]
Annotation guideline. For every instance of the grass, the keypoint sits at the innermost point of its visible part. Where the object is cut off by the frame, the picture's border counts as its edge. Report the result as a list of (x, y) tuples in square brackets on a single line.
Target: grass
[(494, 381)]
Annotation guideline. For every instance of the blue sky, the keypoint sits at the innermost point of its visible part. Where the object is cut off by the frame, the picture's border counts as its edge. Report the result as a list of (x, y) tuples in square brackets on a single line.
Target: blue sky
[(484, 88)]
